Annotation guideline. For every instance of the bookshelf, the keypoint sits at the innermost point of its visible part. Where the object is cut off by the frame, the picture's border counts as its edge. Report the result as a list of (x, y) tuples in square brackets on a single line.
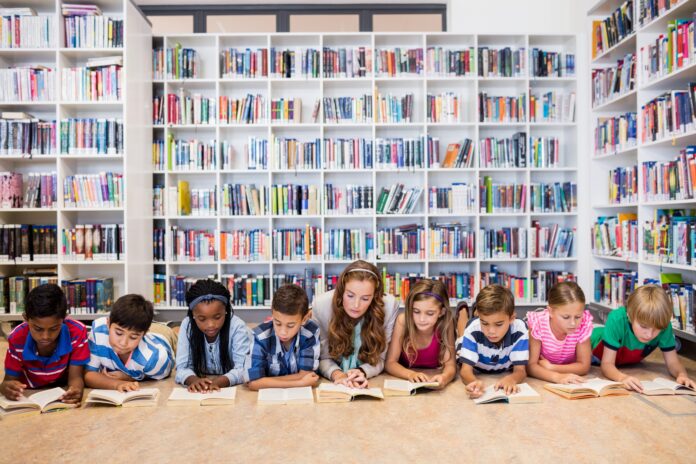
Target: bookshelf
[(663, 148), (132, 271), (212, 83)]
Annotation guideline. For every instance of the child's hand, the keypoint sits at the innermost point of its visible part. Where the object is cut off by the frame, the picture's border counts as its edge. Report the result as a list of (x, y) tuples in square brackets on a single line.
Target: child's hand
[(72, 396), (508, 385), (310, 379), (632, 384), (200, 385), (439, 379), (14, 389), (475, 389), (570, 378), (128, 387), (356, 379), (417, 377), (686, 381)]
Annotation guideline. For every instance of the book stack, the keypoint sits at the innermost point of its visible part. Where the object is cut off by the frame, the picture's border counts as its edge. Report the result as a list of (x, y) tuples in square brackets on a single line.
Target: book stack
[(613, 29), (501, 198), (445, 107), (670, 180), (292, 154), (392, 109), (23, 28), (503, 62), (183, 201), (189, 245), (93, 242), (295, 200), (616, 236), (552, 64), (90, 295), (85, 27), (613, 81), (348, 200), (347, 153), (298, 63), (502, 109), (191, 109), (509, 152), (399, 153), (550, 241), (553, 198), (458, 155), (244, 64), (669, 114), (444, 62), (348, 110), (398, 199), (346, 62), (459, 198), (27, 84), (614, 134), (286, 110), (159, 245), (178, 286), (503, 243), (545, 152), (248, 290), (14, 289), (192, 155), (451, 241), (245, 245), (28, 243), (670, 237), (613, 286), (543, 280), (179, 62), (392, 62), (244, 200), (552, 106), (91, 136), (623, 185), (669, 52), (403, 242), (348, 245), (248, 110), (103, 190), (22, 134), (301, 244)]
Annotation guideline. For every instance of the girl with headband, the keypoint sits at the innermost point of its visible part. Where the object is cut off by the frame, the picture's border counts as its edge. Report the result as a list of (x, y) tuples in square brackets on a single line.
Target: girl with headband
[(424, 336), (356, 321), (213, 343)]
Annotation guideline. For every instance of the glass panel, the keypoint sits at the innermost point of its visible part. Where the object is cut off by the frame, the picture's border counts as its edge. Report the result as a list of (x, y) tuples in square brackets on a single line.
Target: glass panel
[(162, 25), (241, 23), (325, 23), (407, 22)]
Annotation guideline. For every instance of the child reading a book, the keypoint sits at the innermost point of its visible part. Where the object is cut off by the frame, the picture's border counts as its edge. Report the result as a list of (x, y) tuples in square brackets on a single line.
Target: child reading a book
[(285, 350), (125, 349), (47, 349), (423, 336), (356, 321), (493, 342), (632, 333), (213, 342), (559, 336)]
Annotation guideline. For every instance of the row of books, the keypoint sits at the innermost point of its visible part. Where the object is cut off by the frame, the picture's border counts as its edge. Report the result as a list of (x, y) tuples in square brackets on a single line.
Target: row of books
[(189, 245), (611, 82), (186, 109), (613, 286), (185, 201), (445, 62), (90, 295), (503, 243), (534, 288), (294, 63), (648, 10), (348, 199), (348, 244), (504, 62), (245, 245), (27, 84), (295, 199), (670, 237), (459, 198), (91, 136), (27, 136), (669, 114), (446, 107), (616, 236), (346, 62), (102, 83), (248, 110), (669, 52), (670, 180), (398, 61), (244, 63), (93, 242), (255, 155), (103, 190), (351, 110), (681, 295), (501, 198), (398, 199), (393, 109), (399, 153), (552, 64), (558, 197), (14, 289), (292, 154), (509, 152), (616, 133), (347, 153), (552, 106), (286, 110), (244, 200), (550, 241), (458, 155), (502, 109), (613, 29), (451, 241), (403, 242), (20, 30), (623, 185), (191, 155), (93, 32), (39, 190), (175, 63), (545, 152), (297, 244), (28, 242)]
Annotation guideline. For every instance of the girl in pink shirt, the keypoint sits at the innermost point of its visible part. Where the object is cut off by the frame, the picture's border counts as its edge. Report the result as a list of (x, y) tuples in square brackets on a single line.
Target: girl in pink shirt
[(559, 336), (423, 336)]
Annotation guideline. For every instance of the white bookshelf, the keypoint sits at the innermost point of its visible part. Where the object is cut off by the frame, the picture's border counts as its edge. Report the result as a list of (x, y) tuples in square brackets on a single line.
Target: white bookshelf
[(210, 83), (133, 274), (661, 150)]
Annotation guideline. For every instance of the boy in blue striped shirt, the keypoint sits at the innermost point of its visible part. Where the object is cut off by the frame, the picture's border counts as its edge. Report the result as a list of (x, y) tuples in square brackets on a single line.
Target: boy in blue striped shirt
[(493, 342), (285, 350), (128, 347)]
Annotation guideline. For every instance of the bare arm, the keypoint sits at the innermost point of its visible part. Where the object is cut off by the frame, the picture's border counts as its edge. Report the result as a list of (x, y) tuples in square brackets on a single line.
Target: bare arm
[(612, 373), (76, 385), (104, 382), (675, 367), (393, 366), (537, 370), (449, 370), (509, 382), (301, 379)]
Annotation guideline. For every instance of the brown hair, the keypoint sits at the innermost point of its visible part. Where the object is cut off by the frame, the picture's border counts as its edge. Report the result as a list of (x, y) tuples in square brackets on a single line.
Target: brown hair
[(564, 293), (132, 312), (493, 299), (373, 337), (445, 324), (290, 299), (650, 306)]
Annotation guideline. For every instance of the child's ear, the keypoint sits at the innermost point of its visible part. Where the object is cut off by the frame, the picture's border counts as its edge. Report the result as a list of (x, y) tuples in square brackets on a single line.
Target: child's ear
[(307, 317), (513, 317)]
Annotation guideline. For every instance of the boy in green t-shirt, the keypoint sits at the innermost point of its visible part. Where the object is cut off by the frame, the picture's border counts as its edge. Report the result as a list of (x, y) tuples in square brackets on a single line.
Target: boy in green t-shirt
[(632, 334)]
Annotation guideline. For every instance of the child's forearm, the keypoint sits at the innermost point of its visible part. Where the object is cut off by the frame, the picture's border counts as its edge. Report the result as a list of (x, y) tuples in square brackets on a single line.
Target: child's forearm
[(101, 381), (467, 374), (284, 381), (397, 370), (572, 368), (612, 373), (76, 377), (540, 372), (519, 373), (449, 372)]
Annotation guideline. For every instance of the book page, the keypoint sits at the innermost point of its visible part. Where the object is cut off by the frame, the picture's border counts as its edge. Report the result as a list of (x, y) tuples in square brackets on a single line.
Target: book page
[(43, 398), (490, 394), (182, 394), (299, 394), (661, 382), (399, 385), (271, 395), (525, 392)]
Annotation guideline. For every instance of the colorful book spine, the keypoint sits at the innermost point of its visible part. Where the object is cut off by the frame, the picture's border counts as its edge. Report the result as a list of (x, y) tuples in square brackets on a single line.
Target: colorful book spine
[(180, 63), (100, 83), (248, 290), (459, 198), (191, 109), (399, 284), (670, 237), (652, 9), (403, 242), (28, 243), (244, 200), (346, 62), (509, 152), (159, 284), (103, 190), (184, 201), (681, 296), (178, 286), (545, 152), (550, 241), (559, 197), (348, 110), (91, 136), (503, 243), (286, 110), (397, 61), (399, 199), (451, 242), (290, 154), (248, 110), (552, 106), (668, 115), (301, 63), (192, 155), (458, 155), (159, 60), (38, 190), (191, 245), (91, 31), (543, 280), (295, 200), (158, 110), (446, 107), (348, 199), (502, 109), (348, 245), (613, 81), (159, 155), (159, 244), (347, 153), (623, 185), (669, 52), (158, 195), (670, 180), (311, 282), (616, 236), (613, 286), (502, 198), (552, 64), (245, 245), (392, 109), (503, 62), (14, 289), (255, 156), (300, 244), (400, 153), (445, 62), (93, 242), (245, 63), (613, 29), (615, 134), (27, 137), (27, 31), (89, 296), (27, 84)]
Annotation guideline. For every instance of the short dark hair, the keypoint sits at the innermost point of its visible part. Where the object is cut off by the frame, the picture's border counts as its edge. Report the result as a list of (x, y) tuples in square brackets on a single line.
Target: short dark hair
[(132, 312), (493, 299), (47, 300), (290, 299)]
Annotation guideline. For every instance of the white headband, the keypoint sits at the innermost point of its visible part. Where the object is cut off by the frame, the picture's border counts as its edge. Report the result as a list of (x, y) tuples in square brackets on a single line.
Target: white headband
[(364, 270)]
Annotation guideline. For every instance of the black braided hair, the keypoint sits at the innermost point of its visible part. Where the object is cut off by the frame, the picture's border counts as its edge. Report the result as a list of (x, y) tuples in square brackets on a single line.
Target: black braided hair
[(196, 338)]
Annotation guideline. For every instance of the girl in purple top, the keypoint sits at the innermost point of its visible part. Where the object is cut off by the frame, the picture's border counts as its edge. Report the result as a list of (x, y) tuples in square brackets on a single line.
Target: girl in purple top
[(423, 336)]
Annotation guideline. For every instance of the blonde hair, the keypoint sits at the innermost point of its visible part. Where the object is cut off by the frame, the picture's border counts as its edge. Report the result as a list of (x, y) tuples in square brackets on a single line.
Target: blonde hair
[(435, 291), (494, 299), (372, 335), (564, 293), (650, 306)]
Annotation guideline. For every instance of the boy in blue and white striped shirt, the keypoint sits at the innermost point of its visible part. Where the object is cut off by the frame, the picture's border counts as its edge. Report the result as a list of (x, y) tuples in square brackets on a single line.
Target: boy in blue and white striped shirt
[(285, 351), (126, 347), (494, 342)]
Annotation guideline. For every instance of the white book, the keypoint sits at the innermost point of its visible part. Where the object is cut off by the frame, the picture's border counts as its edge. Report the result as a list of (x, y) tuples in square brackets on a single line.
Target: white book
[(336, 393), (394, 387), (526, 394), (592, 388), (43, 401), (183, 397), (138, 398), (662, 386), (285, 395)]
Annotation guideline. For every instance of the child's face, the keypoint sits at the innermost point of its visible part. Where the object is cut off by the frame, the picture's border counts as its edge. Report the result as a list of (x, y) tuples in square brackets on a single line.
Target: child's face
[(209, 318), (567, 318), (124, 341), (496, 325), (45, 331), (426, 314), (357, 297), (286, 326), (643, 332)]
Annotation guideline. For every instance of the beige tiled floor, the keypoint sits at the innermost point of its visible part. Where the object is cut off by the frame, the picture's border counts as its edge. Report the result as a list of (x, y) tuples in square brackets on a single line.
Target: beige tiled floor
[(432, 427)]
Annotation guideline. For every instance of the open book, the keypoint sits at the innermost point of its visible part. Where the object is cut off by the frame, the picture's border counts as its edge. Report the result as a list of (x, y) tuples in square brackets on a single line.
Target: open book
[(404, 387), (285, 395), (593, 388), (142, 397), (43, 401), (662, 386), (333, 393), (183, 397), (526, 395)]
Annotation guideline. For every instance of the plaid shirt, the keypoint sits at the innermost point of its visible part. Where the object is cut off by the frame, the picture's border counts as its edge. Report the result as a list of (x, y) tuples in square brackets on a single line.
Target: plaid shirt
[(268, 359)]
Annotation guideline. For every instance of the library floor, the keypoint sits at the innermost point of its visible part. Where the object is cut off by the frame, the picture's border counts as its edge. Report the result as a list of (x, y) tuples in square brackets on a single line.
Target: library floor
[(431, 427)]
